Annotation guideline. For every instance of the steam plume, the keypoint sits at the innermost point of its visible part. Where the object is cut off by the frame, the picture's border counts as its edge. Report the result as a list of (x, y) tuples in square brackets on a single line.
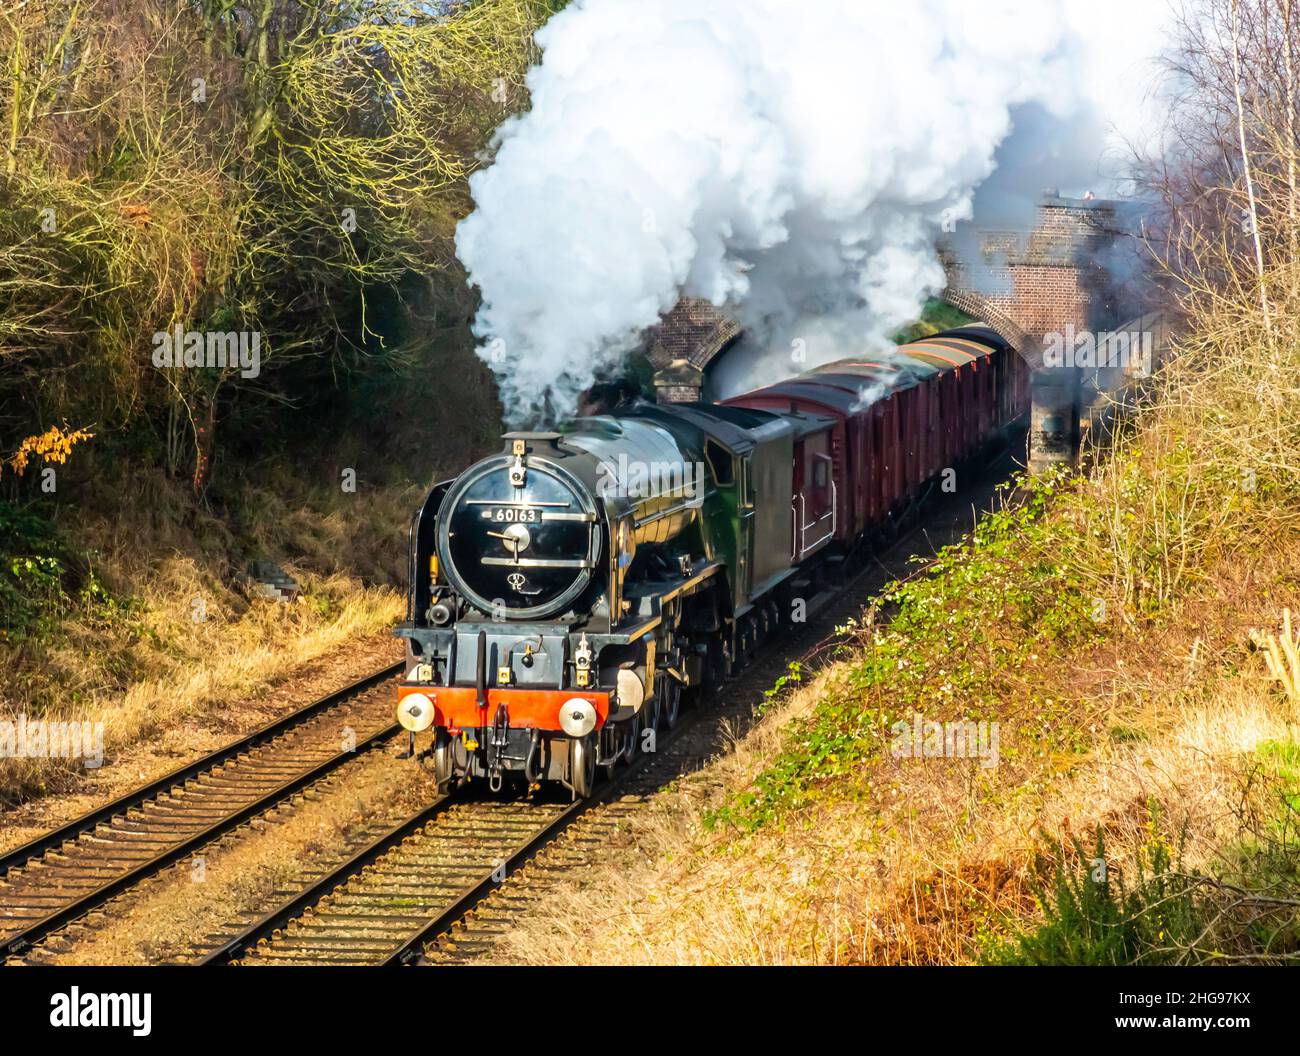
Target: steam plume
[(784, 160)]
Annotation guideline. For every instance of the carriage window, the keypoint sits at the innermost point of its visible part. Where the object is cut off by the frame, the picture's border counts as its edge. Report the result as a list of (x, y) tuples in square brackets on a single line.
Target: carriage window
[(821, 473)]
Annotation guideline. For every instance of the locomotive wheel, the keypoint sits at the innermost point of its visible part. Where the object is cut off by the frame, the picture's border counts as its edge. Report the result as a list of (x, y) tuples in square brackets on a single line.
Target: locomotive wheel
[(441, 760), (653, 712), (671, 706), (634, 727), (582, 765)]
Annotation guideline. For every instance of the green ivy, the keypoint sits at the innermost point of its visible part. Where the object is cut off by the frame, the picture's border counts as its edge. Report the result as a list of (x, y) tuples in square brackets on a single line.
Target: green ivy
[(982, 607)]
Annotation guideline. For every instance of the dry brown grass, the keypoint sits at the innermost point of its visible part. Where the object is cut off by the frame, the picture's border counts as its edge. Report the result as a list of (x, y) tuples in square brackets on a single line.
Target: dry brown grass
[(194, 667), (197, 636)]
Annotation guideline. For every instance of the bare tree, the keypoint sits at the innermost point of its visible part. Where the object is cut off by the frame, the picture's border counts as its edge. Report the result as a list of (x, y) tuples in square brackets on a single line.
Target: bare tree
[(229, 165)]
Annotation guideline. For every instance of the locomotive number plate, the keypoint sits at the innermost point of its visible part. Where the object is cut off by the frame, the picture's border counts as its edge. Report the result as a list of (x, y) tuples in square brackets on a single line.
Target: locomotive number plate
[(513, 515)]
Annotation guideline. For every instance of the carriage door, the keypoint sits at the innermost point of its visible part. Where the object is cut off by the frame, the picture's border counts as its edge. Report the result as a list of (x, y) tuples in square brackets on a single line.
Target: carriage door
[(814, 498)]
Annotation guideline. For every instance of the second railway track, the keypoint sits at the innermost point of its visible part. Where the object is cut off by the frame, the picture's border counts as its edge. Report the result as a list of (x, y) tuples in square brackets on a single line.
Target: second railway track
[(57, 878), (380, 906)]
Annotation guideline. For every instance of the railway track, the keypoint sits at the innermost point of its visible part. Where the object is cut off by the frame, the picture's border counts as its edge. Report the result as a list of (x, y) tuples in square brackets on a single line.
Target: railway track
[(60, 876), (380, 906), (398, 899), (473, 933)]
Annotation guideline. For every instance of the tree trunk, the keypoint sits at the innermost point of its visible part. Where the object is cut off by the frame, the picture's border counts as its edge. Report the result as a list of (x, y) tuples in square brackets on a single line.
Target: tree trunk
[(1245, 166), (15, 102), (1289, 101)]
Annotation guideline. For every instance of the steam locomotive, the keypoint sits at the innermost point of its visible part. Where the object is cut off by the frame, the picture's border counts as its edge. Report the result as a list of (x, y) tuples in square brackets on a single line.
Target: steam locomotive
[(568, 593)]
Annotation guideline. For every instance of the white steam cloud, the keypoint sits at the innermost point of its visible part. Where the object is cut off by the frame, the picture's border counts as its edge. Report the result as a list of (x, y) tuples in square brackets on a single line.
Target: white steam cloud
[(784, 160)]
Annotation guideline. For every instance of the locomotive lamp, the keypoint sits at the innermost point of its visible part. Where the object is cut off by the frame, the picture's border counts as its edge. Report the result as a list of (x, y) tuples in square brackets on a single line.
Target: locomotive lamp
[(582, 663), (631, 690), (518, 474)]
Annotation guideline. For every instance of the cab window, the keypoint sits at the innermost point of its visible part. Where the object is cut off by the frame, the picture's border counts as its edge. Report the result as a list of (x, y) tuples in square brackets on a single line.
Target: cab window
[(720, 463)]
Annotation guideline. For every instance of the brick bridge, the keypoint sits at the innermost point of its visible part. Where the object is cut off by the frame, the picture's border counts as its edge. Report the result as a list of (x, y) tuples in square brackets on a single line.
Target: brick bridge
[(1031, 283)]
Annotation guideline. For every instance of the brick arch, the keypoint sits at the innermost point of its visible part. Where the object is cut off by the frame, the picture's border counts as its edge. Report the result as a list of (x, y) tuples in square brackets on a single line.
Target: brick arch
[(694, 331), (979, 307), (684, 343)]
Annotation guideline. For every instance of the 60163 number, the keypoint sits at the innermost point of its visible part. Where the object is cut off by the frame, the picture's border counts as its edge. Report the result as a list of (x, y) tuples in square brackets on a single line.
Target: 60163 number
[(516, 515)]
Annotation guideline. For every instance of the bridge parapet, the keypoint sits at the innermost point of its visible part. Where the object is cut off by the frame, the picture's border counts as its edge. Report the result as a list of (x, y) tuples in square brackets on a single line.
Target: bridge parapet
[(1048, 277)]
